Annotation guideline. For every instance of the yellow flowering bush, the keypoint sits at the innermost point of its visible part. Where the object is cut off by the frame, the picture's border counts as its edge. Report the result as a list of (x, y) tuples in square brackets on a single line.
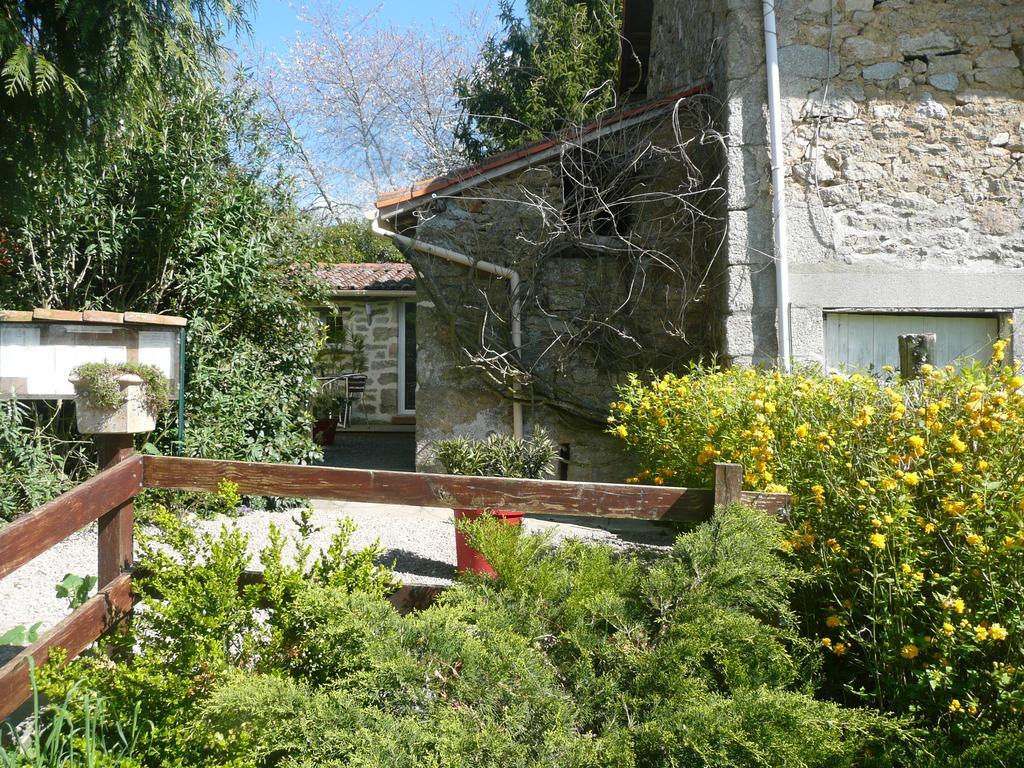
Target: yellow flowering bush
[(908, 506)]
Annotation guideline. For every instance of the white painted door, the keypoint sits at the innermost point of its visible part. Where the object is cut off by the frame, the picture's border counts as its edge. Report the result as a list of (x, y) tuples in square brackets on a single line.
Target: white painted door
[(857, 341)]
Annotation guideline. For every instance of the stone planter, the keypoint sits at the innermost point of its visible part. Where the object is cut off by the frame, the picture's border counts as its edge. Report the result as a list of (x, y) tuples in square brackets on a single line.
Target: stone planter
[(131, 417)]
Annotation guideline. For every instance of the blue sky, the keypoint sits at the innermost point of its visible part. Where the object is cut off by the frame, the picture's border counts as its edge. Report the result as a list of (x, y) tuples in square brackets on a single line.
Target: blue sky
[(276, 22)]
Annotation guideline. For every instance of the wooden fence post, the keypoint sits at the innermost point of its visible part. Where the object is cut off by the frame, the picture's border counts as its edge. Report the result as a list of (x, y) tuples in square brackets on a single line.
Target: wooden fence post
[(728, 483), (116, 543), (916, 349)]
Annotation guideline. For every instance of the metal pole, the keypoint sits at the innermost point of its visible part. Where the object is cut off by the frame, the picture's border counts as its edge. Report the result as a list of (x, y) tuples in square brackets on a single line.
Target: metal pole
[(180, 448)]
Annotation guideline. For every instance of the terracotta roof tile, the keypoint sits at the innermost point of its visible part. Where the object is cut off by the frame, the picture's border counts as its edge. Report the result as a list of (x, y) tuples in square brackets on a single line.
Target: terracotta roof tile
[(397, 276)]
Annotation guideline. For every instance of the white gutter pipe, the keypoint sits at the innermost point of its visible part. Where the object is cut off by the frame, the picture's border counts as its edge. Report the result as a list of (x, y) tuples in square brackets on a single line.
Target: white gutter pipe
[(515, 324), (771, 48)]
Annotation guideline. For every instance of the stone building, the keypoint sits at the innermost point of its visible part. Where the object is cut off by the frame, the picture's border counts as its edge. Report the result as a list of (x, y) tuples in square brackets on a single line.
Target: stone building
[(903, 141), (902, 201), (531, 287), (371, 329)]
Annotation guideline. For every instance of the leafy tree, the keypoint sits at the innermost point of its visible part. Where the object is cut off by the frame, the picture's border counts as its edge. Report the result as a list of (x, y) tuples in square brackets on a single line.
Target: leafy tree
[(82, 70), (349, 241), (554, 68), (156, 194)]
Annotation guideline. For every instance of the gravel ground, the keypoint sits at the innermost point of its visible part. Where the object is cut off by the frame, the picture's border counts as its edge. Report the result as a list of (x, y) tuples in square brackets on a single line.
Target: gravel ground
[(420, 541)]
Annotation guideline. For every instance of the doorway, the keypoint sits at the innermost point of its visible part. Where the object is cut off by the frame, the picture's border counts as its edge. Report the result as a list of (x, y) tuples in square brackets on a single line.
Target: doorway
[(407, 357)]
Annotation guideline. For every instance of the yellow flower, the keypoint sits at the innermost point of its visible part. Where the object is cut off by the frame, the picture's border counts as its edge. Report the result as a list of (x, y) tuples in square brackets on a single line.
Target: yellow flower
[(929, 527), (956, 445), (905, 568), (877, 540), (839, 649), (621, 431), (658, 480), (959, 606), (974, 539), (954, 508), (911, 479), (956, 468), (948, 629), (832, 621), (826, 642), (997, 632), (955, 706), (999, 351), (909, 651), (802, 431), (980, 633), (916, 442)]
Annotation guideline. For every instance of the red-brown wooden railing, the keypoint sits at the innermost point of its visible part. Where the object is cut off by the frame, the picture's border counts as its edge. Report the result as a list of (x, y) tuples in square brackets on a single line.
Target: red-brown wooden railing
[(107, 497)]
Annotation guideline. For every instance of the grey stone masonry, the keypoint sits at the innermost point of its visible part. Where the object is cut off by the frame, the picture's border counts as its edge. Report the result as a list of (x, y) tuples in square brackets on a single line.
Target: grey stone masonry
[(903, 123), (375, 321)]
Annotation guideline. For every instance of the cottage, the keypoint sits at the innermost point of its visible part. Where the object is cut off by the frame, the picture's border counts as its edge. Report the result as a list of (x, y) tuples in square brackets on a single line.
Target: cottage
[(371, 330), (785, 183)]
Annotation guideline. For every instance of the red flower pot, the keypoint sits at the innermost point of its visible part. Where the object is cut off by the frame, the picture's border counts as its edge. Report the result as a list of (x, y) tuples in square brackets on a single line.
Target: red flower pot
[(469, 560), (324, 431)]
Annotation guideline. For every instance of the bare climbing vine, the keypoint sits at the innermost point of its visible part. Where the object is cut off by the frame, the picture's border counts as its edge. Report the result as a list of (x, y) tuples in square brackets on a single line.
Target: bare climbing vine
[(617, 247)]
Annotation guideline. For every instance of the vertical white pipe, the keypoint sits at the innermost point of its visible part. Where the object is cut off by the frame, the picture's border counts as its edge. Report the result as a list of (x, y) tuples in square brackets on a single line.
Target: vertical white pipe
[(771, 47)]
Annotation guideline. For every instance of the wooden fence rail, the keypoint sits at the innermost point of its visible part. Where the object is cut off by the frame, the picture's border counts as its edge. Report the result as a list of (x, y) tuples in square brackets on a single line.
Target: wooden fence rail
[(107, 497), (32, 534), (538, 497)]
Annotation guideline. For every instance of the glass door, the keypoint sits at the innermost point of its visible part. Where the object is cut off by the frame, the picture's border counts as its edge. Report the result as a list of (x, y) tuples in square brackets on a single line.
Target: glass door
[(407, 357)]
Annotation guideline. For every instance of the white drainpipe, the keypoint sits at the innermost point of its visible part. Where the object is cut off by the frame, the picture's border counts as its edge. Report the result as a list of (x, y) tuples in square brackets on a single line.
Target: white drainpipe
[(515, 325), (778, 180)]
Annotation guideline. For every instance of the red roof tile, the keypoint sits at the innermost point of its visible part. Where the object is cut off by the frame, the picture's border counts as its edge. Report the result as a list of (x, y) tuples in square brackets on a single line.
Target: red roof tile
[(427, 187), (397, 276)]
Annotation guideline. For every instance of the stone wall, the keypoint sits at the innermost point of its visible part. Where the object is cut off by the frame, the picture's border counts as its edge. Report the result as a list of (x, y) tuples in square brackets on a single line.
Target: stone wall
[(904, 133), (497, 222), (721, 42), (375, 321), (905, 150)]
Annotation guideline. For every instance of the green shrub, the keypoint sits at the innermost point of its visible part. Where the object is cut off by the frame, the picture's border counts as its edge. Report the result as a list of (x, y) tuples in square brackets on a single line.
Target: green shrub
[(180, 213), (77, 732), (499, 456), (908, 512), (202, 623), (36, 464), (574, 656)]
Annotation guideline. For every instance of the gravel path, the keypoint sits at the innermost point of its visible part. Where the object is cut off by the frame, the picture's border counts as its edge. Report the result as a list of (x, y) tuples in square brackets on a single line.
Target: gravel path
[(420, 541)]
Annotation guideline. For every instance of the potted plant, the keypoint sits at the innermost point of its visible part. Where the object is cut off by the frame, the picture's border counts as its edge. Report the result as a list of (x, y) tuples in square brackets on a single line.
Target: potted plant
[(497, 456), (326, 407), (118, 398)]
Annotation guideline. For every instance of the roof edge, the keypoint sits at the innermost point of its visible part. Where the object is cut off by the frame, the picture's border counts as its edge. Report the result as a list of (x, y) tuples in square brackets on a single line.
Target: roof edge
[(468, 176)]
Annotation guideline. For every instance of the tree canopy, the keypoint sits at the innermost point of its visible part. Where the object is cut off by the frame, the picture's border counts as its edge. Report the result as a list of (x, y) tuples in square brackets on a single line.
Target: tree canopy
[(136, 179), (553, 68)]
